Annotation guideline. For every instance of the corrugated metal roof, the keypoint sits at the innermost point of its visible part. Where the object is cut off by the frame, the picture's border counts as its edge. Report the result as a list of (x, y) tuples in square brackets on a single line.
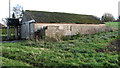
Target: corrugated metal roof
[(57, 17)]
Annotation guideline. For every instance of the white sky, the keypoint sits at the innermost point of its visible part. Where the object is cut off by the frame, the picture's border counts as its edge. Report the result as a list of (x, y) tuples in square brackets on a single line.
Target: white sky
[(90, 7)]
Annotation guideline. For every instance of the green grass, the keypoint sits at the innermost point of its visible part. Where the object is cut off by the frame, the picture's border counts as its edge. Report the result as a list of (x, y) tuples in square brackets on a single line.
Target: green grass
[(11, 62), (113, 24), (4, 33), (4, 30), (77, 52)]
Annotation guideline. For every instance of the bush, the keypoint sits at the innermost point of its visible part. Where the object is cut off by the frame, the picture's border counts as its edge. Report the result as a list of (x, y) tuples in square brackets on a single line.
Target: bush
[(107, 17), (66, 38)]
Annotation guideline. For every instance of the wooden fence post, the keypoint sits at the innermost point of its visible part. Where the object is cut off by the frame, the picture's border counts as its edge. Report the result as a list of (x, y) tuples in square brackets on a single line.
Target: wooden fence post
[(16, 32)]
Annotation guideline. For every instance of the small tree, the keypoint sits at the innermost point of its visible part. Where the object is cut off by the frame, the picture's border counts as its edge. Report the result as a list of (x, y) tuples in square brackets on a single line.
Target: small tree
[(107, 17), (13, 15)]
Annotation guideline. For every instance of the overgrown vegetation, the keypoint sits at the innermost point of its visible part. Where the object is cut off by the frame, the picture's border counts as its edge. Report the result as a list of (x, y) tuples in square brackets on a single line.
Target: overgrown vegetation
[(4, 30), (11, 62), (56, 17), (4, 33), (78, 50)]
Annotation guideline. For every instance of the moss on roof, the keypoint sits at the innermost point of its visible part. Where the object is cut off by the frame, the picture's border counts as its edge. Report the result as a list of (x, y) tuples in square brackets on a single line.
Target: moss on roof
[(58, 17)]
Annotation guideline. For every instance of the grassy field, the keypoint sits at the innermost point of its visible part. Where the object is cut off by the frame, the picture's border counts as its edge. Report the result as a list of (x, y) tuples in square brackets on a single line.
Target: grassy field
[(113, 24), (95, 50), (10, 62)]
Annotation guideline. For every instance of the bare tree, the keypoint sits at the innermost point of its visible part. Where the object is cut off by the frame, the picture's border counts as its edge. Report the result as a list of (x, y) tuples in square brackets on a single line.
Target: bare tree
[(18, 11), (4, 20)]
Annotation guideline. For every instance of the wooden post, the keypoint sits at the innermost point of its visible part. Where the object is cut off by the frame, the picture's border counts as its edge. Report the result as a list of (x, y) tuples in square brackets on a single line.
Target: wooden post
[(0, 35), (20, 32), (8, 32), (16, 32)]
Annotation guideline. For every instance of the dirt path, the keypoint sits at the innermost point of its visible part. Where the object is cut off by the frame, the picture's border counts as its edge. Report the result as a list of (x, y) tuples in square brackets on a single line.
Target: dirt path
[(13, 41)]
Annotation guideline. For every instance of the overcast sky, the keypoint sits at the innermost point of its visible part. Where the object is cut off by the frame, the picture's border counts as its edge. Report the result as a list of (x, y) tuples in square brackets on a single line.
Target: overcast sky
[(89, 7)]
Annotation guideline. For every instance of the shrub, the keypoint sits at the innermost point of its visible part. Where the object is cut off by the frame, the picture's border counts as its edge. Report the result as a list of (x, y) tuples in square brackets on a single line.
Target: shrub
[(66, 38), (107, 17)]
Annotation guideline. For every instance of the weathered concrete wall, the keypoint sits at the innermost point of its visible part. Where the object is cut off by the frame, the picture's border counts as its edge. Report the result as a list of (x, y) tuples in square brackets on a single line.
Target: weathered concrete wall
[(88, 29), (24, 31), (31, 30), (70, 29), (27, 30), (53, 31), (41, 25)]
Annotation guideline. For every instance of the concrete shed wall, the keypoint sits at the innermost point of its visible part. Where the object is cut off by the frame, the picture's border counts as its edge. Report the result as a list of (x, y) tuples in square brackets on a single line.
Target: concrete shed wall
[(27, 30), (70, 29), (24, 31)]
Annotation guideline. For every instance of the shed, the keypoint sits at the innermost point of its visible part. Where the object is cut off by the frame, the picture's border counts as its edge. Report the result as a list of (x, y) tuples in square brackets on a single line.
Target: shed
[(40, 23)]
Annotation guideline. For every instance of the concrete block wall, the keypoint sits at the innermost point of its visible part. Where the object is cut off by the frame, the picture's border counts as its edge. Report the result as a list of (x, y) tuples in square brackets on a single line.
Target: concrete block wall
[(53, 31), (71, 29)]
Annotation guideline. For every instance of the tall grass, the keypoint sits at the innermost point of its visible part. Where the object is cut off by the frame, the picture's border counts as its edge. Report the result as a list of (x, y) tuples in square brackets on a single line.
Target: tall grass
[(76, 52)]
